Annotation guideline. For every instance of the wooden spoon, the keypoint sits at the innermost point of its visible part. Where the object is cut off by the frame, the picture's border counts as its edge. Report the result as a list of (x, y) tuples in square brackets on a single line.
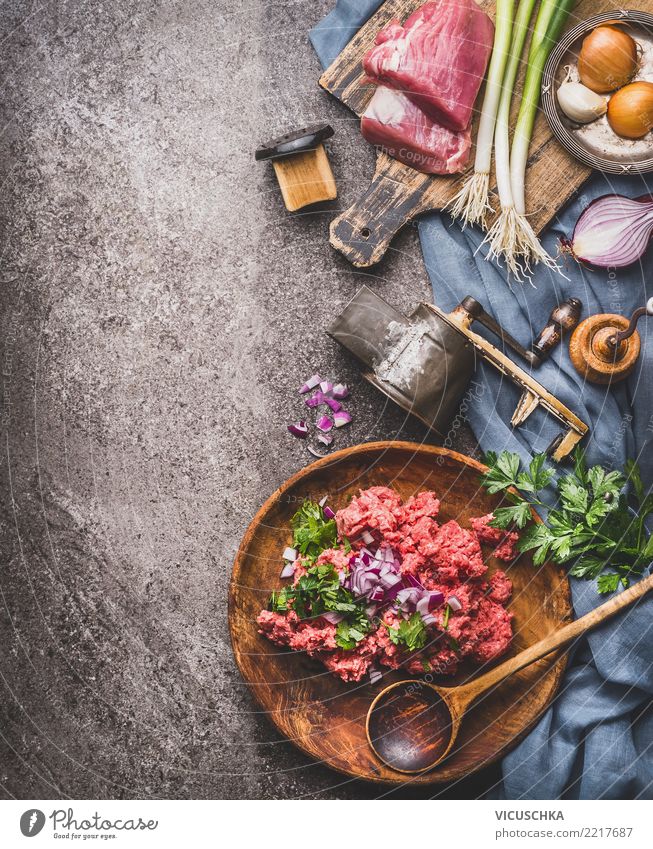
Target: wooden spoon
[(412, 725)]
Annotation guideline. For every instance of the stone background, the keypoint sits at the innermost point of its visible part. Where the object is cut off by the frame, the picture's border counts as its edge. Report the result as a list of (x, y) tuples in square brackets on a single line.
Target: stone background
[(159, 310)]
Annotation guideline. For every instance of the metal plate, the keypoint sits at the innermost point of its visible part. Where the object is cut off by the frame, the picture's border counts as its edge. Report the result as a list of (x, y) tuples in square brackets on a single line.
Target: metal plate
[(596, 144)]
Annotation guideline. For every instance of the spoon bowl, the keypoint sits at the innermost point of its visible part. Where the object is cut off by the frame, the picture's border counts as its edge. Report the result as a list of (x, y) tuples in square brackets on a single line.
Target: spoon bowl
[(411, 726)]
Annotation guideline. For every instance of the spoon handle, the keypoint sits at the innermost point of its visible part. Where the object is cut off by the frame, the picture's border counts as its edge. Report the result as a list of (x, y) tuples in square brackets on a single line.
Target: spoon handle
[(467, 693)]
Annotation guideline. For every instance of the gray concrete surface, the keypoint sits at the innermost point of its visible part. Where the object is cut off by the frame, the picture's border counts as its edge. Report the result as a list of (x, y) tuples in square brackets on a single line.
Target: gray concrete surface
[(159, 310)]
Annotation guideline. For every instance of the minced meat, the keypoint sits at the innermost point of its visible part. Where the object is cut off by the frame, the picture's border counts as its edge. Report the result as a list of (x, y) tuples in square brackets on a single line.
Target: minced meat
[(442, 557)]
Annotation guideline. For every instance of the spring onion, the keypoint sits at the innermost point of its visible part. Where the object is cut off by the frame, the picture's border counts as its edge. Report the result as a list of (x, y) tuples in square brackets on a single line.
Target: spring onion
[(505, 236), (471, 203), (551, 18)]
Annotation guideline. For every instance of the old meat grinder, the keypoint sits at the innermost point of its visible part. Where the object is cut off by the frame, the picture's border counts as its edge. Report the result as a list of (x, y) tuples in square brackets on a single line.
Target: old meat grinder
[(425, 361)]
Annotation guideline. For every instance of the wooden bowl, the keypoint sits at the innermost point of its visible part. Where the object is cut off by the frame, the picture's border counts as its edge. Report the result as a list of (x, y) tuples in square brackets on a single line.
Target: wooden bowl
[(322, 715), (596, 144)]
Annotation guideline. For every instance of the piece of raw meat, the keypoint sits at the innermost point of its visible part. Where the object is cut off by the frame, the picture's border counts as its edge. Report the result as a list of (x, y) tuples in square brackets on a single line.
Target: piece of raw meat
[(393, 123), (437, 58)]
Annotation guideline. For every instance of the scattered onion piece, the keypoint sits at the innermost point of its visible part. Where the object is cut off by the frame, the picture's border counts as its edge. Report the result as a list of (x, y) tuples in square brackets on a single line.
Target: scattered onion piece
[(340, 391), (428, 619), (323, 500), (367, 538), (454, 603), (315, 400), (299, 429), (335, 406), (328, 512), (325, 438), (288, 570), (342, 417), (333, 617), (326, 386), (289, 554), (324, 424), (316, 453), (375, 675), (311, 383)]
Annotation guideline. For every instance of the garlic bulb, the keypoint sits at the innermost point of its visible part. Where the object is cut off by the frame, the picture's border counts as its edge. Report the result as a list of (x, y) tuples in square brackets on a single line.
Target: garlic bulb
[(581, 104)]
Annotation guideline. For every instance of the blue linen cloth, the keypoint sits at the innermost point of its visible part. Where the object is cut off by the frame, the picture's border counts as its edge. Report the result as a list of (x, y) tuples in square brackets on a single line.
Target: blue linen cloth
[(596, 740)]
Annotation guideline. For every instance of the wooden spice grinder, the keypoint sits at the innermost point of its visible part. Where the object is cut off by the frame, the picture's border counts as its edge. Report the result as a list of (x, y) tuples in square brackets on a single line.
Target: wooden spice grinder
[(604, 348), (302, 166)]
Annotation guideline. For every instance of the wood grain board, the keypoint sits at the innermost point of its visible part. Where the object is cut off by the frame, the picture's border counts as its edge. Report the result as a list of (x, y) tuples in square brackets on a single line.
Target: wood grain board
[(398, 193), (322, 715)]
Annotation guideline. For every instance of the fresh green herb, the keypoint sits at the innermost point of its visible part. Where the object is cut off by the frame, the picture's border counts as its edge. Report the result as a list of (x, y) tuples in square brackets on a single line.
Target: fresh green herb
[(312, 533), (591, 525), (320, 591), (351, 630), (426, 666), (411, 633), (445, 617), (454, 644)]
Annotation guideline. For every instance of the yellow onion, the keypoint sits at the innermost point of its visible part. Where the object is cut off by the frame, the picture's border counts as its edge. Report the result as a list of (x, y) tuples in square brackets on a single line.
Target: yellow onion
[(607, 59), (630, 110)]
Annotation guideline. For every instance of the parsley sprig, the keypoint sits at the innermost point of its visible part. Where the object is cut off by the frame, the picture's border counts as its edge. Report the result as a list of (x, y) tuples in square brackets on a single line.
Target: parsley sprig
[(411, 633), (312, 532), (591, 525), (319, 591)]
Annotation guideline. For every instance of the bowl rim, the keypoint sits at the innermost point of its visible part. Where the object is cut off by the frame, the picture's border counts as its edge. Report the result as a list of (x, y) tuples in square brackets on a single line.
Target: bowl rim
[(549, 106)]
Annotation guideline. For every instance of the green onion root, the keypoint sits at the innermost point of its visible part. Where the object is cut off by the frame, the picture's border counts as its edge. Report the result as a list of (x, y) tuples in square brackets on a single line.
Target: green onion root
[(472, 204)]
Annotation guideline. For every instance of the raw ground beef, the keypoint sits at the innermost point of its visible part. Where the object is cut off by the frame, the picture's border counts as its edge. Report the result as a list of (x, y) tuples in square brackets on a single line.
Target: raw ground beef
[(503, 541), (443, 557)]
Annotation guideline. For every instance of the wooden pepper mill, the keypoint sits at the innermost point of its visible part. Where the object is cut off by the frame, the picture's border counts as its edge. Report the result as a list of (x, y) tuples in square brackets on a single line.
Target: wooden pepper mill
[(302, 166), (604, 348), (564, 317)]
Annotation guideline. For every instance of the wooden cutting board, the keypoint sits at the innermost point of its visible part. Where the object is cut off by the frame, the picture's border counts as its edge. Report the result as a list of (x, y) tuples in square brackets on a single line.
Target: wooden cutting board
[(398, 193)]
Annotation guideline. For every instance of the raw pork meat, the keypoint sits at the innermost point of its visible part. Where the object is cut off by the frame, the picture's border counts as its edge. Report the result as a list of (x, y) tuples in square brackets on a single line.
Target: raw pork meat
[(404, 131), (437, 58)]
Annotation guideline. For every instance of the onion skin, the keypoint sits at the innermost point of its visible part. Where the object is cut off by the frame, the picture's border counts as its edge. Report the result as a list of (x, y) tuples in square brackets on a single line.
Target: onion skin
[(607, 60), (630, 110)]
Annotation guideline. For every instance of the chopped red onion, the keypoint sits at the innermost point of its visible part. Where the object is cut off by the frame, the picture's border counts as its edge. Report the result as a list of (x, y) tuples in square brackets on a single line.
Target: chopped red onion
[(368, 539), (326, 386), (324, 424), (422, 605), (299, 429), (389, 579), (325, 438), (342, 417), (328, 512), (375, 675), (323, 500), (315, 453), (335, 406), (454, 603), (370, 610), (428, 619), (315, 400), (289, 554), (311, 383), (333, 617), (340, 391), (288, 570), (412, 580)]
